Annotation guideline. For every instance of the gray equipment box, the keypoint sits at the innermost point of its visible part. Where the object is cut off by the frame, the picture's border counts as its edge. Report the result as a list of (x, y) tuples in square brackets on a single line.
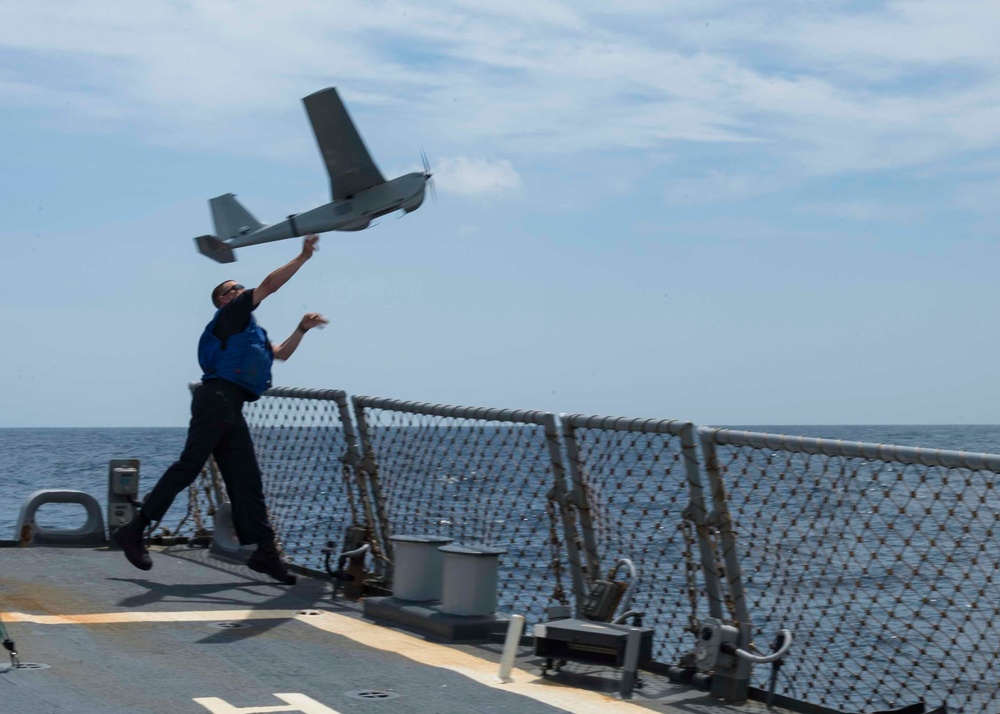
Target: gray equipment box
[(123, 490), (590, 642)]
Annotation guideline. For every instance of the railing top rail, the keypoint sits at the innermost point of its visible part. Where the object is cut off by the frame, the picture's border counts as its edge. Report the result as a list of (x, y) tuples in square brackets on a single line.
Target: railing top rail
[(297, 392), (519, 416), (302, 393), (853, 449), (647, 426)]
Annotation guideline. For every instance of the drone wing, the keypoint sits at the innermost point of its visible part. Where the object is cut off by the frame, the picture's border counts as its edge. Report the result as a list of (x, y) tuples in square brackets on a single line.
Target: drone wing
[(350, 167)]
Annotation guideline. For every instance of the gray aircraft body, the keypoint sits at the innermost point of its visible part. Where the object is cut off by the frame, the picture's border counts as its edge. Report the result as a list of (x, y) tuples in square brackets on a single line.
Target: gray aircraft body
[(360, 193)]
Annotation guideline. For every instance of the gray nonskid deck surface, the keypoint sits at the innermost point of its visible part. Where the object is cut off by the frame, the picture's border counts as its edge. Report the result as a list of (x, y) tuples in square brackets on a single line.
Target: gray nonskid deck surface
[(159, 665)]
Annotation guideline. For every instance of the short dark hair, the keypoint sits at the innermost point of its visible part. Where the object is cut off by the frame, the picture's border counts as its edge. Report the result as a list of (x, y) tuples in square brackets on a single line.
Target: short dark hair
[(217, 291)]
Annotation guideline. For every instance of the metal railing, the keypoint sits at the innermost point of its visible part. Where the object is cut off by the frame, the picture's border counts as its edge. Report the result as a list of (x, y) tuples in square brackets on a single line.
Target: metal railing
[(883, 560), (481, 476), (638, 489), (306, 448)]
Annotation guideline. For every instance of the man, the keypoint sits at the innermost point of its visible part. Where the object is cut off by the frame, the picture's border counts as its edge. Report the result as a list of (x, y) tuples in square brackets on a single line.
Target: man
[(236, 358)]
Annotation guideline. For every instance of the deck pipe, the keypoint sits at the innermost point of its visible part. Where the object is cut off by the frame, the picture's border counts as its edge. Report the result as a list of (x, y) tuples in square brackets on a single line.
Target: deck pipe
[(514, 630)]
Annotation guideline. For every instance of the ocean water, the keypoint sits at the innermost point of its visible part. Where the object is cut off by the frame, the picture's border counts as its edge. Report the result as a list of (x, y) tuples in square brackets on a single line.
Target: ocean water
[(34, 459), (77, 459)]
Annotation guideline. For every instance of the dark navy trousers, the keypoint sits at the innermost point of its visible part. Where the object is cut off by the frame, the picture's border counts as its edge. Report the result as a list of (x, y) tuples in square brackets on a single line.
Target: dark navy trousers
[(218, 429)]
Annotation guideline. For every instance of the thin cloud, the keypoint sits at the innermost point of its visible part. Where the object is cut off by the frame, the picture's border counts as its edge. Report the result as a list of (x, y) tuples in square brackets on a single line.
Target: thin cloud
[(866, 211), (473, 177), (718, 187), (856, 90)]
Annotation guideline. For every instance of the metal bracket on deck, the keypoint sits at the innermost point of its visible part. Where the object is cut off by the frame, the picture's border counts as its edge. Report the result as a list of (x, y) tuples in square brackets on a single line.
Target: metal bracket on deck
[(29, 532)]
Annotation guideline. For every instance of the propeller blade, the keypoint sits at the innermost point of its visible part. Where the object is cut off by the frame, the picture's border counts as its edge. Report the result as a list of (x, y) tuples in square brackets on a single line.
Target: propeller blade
[(428, 174)]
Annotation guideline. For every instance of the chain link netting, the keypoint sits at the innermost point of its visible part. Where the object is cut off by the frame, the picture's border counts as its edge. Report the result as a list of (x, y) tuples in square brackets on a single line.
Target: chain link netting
[(886, 571), (637, 504), (479, 477), (199, 501), (884, 562), (309, 480)]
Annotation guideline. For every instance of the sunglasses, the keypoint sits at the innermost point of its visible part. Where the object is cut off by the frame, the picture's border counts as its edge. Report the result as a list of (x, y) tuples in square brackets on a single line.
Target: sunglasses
[(231, 289)]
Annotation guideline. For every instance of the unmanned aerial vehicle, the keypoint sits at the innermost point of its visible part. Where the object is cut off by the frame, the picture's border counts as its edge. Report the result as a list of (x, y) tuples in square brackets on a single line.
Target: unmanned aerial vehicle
[(360, 193)]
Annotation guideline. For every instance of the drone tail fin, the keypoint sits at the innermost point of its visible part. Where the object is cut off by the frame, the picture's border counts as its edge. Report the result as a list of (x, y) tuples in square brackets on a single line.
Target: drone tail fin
[(215, 249), (231, 218)]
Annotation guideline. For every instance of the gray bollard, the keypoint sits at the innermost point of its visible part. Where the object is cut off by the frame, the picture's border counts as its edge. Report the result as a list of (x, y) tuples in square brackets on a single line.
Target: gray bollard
[(469, 585), (417, 570)]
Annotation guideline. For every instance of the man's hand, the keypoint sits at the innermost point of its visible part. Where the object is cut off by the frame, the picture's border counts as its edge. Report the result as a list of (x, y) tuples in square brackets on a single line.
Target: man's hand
[(280, 276), (311, 320), (309, 246), (288, 347)]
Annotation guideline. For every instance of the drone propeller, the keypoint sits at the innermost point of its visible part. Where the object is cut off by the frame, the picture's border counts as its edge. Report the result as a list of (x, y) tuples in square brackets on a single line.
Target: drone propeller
[(428, 175)]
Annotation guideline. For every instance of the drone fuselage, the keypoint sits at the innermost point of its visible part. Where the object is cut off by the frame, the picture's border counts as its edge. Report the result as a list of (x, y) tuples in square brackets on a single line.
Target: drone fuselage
[(404, 193)]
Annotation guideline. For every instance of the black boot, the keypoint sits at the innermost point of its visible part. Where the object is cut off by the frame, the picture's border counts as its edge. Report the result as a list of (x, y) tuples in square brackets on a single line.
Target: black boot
[(130, 539), (266, 559)]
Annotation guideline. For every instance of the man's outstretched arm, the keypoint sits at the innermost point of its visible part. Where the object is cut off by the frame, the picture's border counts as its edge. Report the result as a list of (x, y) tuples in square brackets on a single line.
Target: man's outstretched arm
[(279, 277), (308, 321)]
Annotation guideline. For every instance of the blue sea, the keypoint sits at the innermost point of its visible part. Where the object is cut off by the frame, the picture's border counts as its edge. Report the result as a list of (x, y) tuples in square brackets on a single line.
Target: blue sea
[(34, 459)]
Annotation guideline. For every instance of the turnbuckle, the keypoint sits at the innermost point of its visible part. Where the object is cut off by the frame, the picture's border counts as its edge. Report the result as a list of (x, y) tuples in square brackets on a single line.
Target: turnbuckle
[(14, 661)]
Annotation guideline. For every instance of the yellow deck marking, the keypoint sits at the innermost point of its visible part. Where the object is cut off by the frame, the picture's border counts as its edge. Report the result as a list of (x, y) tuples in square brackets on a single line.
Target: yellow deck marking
[(580, 701), (108, 618), (482, 671)]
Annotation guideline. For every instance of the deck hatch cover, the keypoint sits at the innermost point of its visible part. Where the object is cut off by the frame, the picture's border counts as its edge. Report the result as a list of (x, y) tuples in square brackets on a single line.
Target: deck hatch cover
[(29, 666), (370, 694)]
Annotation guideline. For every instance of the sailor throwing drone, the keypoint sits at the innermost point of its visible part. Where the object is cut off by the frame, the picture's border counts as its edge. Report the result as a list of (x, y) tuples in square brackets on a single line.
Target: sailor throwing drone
[(236, 357)]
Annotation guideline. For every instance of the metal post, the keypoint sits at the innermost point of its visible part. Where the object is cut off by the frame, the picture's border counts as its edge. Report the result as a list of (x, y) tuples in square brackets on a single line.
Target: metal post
[(353, 465), (567, 505), (633, 641), (699, 515), (370, 468), (732, 685), (514, 630), (582, 504)]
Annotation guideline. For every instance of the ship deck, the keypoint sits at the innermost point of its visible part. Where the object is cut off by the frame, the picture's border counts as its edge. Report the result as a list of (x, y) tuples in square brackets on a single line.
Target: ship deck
[(201, 634)]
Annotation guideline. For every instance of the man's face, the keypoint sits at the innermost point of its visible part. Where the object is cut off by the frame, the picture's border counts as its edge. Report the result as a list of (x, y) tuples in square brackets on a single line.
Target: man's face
[(230, 291)]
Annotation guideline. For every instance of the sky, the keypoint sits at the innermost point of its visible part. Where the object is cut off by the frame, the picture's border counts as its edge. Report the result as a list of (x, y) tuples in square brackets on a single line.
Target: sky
[(723, 212)]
